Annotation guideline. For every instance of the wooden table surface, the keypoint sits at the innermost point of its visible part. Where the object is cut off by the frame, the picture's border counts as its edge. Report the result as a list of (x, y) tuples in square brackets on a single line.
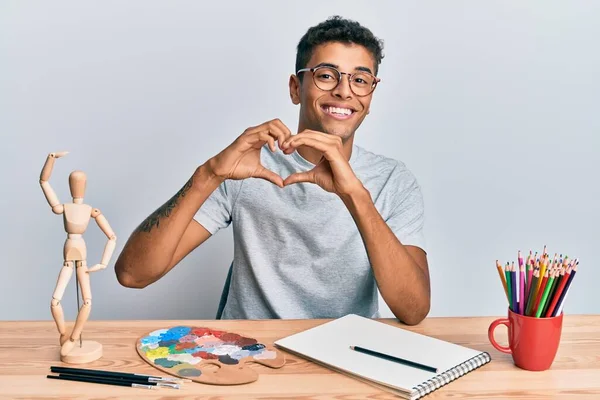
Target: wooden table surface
[(28, 349)]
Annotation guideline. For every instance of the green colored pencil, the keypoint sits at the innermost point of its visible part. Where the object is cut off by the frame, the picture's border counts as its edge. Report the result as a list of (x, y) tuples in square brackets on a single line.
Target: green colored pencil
[(557, 278), (508, 286), (544, 296)]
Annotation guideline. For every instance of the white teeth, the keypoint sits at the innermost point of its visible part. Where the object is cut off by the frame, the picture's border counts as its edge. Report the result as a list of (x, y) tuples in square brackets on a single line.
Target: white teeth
[(338, 110)]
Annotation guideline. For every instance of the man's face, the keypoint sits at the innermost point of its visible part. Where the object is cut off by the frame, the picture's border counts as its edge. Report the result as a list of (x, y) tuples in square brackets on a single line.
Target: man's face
[(327, 111)]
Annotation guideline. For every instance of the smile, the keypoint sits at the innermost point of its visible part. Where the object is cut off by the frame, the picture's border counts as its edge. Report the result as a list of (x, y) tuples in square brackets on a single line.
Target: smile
[(338, 112)]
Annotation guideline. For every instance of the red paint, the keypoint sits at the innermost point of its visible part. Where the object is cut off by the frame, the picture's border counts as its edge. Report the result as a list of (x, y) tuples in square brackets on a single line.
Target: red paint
[(205, 355), (200, 331), (230, 337), (533, 342), (185, 345), (244, 341)]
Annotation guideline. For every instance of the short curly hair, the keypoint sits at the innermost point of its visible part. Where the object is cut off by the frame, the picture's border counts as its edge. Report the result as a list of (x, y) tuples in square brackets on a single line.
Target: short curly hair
[(338, 29)]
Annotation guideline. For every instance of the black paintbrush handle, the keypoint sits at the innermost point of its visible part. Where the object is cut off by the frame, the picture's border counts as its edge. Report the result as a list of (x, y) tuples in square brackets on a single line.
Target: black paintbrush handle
[(105, 381), (94, 372)]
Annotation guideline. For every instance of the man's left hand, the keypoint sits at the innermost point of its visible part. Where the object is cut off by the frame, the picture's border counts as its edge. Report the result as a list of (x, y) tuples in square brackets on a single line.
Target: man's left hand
[(333, 172)]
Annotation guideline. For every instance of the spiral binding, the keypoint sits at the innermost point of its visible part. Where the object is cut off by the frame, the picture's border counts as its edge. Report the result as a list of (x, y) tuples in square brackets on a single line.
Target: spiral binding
[(448, 376)]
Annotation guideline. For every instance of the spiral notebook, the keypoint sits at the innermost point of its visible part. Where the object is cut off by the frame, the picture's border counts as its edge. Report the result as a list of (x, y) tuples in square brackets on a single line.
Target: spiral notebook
[(329, 345)]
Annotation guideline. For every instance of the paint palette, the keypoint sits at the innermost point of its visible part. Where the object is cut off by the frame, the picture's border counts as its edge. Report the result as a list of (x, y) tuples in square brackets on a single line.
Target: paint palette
[(186, 351)]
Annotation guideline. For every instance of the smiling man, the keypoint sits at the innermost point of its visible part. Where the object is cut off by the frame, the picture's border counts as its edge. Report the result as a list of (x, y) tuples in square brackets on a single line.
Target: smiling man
[(320, 224)]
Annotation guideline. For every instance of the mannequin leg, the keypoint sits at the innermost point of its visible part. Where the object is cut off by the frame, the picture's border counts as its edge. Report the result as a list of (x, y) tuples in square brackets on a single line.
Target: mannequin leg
[(84, 312), (55, 306)]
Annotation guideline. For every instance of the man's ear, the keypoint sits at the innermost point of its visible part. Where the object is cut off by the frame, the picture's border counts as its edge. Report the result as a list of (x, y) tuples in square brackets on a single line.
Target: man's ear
[(295, 89)]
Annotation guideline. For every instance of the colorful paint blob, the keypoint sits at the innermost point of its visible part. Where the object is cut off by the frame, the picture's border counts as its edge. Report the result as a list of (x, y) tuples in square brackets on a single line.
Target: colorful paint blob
[(183, 349)]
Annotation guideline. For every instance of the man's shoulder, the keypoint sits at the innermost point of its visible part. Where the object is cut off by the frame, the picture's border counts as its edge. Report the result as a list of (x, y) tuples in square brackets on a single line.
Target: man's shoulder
[(380, 164)]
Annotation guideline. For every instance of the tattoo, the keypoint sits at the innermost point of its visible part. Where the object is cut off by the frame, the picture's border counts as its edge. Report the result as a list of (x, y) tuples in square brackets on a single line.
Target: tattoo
[(165, 210)]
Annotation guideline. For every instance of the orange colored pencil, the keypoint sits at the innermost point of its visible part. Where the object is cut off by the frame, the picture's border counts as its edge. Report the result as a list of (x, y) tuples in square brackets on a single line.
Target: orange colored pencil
[(544, 264), (502, 279)]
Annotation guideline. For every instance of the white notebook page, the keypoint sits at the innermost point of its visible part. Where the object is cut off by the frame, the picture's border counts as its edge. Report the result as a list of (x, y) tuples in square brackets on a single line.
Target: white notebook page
[(330, 343)]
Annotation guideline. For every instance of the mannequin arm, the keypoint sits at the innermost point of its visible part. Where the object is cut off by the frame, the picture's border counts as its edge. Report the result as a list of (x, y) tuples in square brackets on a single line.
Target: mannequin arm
[(51, 197), (110, 245)]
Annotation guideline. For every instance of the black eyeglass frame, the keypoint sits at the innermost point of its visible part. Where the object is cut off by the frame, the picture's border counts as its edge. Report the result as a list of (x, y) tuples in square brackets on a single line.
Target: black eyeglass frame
[(376, 80)]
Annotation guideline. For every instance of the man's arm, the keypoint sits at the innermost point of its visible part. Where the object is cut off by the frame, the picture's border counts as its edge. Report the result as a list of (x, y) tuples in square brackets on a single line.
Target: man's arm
[(167, 235), (401, 271), (170, 232)]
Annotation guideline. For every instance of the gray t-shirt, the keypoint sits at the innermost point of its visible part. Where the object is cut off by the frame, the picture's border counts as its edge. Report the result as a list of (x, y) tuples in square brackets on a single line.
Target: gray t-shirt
[(297, 250)]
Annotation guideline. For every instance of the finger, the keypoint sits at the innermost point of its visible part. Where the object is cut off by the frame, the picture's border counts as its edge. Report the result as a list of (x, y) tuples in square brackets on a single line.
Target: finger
[(298, 177), (315, 135), (276, 132), (260, 138), (275, 128), (286, 131), (330, 150), (271, 142), (265, 126), (268, 175)]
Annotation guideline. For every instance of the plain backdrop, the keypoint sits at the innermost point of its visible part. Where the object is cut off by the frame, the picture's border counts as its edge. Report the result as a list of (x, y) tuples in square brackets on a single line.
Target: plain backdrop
[(492, 105)]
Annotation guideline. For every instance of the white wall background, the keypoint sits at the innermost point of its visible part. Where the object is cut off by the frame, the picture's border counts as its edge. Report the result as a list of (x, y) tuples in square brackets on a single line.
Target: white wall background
[(493, 105)]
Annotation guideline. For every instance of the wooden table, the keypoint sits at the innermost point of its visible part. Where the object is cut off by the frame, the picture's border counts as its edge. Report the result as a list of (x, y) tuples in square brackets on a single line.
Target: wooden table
[(28, 349)]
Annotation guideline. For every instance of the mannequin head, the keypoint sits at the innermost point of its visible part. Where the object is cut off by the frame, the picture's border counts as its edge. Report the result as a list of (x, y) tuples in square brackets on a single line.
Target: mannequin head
[(77, 182)]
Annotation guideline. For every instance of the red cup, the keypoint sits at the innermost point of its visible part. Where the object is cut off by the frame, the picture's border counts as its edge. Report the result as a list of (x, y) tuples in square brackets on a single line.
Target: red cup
[(533, 342)]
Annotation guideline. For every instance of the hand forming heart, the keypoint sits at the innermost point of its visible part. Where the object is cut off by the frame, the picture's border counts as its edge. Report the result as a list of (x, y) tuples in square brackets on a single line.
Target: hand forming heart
[(241, 159), (333, 172)]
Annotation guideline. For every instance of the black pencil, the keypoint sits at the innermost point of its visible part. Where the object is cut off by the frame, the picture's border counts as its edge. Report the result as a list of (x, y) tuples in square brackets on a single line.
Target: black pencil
[(104, 381), (395, 359)]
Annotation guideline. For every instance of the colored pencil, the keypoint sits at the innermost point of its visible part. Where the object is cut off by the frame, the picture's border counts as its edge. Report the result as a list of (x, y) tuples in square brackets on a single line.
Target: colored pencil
[(565, 291), (522, 290), (508, 285), (538, 286), (534, 281), (528, 273), (540, 293), (529, 285), (545, 295), (544, 263), (502, 279), (559, 309), (562, 280), (533, 291), (558, 275), (515, 289)]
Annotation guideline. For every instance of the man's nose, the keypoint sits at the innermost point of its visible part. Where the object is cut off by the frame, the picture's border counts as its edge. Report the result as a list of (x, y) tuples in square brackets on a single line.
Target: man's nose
[(342, 90)]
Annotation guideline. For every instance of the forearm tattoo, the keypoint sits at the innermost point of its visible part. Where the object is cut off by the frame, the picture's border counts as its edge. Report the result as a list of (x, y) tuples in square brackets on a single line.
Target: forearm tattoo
[(165, 210)]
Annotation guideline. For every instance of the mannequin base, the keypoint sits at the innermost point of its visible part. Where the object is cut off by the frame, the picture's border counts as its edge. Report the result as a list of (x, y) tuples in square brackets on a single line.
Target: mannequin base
[(88, 352)]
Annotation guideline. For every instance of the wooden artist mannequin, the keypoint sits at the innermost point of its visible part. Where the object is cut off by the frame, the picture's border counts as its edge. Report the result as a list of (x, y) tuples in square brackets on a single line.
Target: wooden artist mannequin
[(76, 216)]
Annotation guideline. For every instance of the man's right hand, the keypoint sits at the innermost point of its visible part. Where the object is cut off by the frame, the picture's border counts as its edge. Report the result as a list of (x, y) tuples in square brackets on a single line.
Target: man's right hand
[(241, 159)]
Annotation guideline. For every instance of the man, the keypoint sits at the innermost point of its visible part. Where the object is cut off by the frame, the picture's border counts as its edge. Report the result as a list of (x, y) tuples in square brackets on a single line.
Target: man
[(319, 223)]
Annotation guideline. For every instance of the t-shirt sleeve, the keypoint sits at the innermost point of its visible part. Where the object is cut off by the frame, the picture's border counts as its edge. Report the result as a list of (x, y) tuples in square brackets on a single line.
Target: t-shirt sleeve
[(407, 214), (216, 212)]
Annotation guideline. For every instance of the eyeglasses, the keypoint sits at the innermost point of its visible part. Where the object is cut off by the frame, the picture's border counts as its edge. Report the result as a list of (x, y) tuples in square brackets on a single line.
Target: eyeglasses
[(328, 78)]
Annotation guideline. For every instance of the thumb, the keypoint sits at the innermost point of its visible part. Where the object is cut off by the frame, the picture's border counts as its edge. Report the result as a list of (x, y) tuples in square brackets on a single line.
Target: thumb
[(270, 176), (298, 177)]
